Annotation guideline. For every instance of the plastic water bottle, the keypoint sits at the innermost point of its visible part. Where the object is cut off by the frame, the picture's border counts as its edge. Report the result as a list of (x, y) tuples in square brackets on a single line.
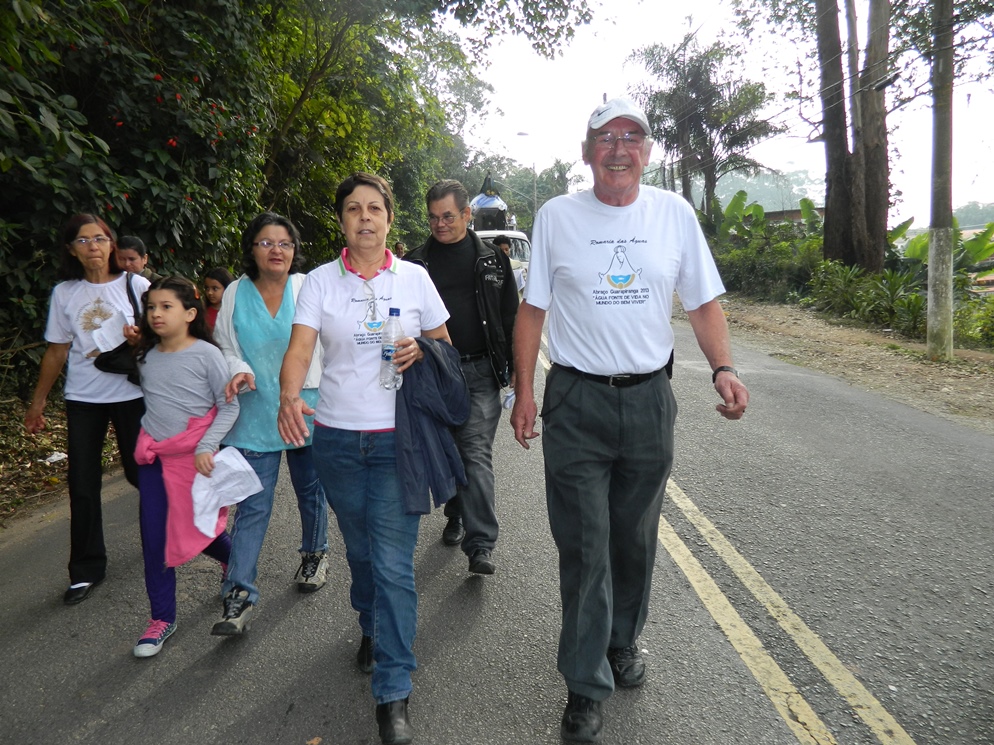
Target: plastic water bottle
[(392, 332)]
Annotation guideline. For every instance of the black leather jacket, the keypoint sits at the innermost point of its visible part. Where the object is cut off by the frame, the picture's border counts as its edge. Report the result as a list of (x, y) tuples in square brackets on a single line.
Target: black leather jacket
[(496, 298)]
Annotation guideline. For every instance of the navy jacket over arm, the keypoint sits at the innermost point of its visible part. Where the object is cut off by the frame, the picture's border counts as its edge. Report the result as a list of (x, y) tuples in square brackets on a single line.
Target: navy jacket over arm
[(433, 398)]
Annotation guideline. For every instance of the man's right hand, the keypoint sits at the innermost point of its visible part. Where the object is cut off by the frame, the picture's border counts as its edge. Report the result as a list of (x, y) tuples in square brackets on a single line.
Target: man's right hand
[(523, 419)]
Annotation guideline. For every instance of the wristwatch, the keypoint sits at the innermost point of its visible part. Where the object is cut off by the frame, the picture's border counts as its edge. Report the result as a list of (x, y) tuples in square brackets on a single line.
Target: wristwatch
[(723, 368)]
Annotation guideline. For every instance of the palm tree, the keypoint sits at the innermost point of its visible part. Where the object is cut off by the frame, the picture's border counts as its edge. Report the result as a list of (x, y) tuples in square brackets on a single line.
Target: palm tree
[(703, 115)]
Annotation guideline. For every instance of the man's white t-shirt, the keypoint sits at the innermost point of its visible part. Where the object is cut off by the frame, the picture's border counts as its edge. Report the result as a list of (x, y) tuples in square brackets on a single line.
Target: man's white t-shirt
[(77, 309), (606, 275), (348, 313)]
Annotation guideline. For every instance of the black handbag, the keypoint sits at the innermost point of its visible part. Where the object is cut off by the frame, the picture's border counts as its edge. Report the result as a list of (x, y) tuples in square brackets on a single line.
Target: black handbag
[(121, 359)]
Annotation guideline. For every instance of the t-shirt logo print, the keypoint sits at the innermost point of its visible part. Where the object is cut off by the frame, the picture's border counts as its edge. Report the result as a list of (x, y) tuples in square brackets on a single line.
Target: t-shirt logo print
[(95, 314), (372, 320), (620, 273)]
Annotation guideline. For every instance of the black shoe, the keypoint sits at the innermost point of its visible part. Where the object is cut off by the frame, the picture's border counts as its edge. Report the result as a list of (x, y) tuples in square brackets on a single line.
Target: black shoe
[(364, 657), (454, 532), (75, 595), (395, 727), (582, 720), (627, 665), (481, 563)]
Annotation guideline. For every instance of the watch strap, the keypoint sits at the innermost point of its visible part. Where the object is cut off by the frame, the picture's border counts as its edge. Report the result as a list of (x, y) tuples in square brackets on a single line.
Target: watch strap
[(723, 368)]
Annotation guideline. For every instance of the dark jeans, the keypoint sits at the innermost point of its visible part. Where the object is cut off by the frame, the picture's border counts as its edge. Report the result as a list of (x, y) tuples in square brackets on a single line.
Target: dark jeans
[(87, 424), (608, 453), (153, 510)]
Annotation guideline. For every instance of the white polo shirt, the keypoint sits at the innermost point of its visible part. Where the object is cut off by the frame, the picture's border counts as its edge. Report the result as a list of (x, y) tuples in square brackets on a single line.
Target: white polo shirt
[(349, 313)]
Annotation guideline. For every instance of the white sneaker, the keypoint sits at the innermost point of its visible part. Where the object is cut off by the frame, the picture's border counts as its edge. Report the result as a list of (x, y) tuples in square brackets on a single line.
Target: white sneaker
[(237, 612), (313, 572)]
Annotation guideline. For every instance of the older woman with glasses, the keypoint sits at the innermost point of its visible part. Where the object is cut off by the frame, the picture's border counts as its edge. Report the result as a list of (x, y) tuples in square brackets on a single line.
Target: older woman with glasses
[(93, 291), (344, 305), (253, 330)]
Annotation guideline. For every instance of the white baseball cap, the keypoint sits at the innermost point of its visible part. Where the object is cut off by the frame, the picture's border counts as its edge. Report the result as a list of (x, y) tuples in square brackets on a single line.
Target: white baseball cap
[(618, 108)]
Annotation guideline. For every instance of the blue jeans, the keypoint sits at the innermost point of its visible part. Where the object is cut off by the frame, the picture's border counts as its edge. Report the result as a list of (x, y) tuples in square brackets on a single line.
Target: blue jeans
[(252, 515), (475, 502), (379, 545)]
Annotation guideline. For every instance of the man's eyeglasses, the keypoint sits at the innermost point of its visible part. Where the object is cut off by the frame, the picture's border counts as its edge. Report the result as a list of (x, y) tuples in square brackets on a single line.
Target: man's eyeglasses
[(98, 239), (448, 218), (629, 140), (285, 245)]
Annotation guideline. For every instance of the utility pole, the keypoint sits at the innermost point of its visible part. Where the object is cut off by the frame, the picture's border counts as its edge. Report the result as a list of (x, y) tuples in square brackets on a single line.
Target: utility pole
[(939, 335)]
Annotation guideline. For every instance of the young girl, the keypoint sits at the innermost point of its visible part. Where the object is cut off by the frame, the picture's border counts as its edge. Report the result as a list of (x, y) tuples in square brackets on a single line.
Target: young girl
[(215, 281), (183, 375)]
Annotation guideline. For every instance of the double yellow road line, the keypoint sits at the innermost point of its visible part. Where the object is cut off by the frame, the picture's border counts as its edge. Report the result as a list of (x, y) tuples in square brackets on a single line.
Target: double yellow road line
[(788, 701), (792, 706)]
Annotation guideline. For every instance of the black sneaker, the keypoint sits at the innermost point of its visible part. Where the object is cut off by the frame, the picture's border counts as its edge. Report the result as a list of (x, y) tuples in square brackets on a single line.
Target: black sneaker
[(454, 532), (582, 721), (627, 665), (481, 562), (237, 612)]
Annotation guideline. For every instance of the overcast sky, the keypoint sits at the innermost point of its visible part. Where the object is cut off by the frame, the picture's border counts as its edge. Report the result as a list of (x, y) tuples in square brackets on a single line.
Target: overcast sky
[(551, 100)]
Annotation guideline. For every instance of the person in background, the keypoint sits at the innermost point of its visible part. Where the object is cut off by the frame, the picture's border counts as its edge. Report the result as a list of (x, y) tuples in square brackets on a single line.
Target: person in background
[(399, 249), (93, 290), (605, 263), (132, 256), (344, 304), (477, 285), (215, 282), (253, 330), (504, 244), (184, 376)]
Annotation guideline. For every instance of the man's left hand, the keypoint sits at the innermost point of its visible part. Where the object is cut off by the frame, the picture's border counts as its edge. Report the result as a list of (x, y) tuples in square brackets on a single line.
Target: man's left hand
[(734, 396)]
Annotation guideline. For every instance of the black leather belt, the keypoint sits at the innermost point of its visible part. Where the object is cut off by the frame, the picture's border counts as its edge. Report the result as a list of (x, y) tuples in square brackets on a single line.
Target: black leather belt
[(615, 381), (473, 357)]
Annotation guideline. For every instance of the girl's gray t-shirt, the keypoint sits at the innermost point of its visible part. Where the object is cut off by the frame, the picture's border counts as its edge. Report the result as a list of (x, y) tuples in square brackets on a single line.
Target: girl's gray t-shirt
[(187, 384)]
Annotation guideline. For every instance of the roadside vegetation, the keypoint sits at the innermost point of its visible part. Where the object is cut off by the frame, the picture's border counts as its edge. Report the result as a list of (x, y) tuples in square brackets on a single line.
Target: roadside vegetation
[(782, 262)]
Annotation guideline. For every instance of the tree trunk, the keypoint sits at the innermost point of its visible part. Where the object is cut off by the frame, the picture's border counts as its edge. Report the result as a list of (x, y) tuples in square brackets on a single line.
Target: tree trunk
[(857, 161), (939, 335), (838, 215), (875, 155)]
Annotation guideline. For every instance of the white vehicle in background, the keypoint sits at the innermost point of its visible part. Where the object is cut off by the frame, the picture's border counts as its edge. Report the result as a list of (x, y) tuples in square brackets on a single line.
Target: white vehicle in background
[(521, 252)]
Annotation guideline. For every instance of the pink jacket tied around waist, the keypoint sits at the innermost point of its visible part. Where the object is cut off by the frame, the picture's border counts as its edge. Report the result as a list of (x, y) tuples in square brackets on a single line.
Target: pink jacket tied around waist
[(183, 540)]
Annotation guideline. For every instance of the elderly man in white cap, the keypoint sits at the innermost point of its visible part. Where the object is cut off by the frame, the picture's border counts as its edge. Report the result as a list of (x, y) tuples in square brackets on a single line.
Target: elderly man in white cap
[(604, 266)]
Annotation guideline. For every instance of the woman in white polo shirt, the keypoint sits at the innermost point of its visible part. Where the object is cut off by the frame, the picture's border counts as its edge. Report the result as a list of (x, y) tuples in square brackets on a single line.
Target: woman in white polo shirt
[(345, 303)]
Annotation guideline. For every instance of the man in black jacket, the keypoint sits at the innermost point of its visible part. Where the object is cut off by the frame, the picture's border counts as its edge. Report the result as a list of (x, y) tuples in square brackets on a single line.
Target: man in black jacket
[(477, 286)]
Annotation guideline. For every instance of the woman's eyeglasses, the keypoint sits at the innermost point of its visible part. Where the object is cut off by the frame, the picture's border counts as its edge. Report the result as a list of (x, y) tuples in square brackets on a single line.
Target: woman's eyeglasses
[(98, 239), (285, 245)]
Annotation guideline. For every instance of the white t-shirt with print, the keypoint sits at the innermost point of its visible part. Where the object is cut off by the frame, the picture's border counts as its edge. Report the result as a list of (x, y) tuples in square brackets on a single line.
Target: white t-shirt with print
[(77, 309), (349, 314), (606, 275)]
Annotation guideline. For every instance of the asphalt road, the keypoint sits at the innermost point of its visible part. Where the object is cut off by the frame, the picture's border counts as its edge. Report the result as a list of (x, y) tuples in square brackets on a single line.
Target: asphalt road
[(824, 576)]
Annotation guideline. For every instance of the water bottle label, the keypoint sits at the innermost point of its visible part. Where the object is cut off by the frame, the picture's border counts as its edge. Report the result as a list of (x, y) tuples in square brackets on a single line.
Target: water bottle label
[(386, 353)]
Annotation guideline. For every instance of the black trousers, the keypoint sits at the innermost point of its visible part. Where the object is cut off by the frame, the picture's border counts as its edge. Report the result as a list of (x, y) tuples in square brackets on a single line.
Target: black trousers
[(87, 425)]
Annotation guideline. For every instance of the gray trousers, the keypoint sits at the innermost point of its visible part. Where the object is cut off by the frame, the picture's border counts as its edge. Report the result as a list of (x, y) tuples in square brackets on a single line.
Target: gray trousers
[(608, 453), (476, 502)]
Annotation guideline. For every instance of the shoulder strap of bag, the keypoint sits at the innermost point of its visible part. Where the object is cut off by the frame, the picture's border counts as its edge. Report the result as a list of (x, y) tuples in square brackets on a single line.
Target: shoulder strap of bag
[(134, 301)]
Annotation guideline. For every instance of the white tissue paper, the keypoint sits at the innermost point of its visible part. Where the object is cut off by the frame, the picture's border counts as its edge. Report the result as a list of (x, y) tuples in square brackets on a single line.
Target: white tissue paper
[(231, 481)]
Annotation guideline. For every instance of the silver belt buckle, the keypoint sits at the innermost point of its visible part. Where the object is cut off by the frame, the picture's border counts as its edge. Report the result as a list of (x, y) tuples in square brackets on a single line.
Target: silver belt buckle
[(612, 378)]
